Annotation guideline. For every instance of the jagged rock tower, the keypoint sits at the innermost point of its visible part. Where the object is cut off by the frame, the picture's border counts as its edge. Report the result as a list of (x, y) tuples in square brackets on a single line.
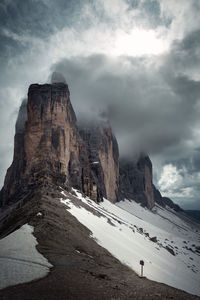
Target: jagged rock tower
[(136, 181), (49, 148)]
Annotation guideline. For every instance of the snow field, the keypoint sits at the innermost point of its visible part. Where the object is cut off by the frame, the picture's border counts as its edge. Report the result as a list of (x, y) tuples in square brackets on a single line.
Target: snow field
[(20, 261), (124, 235)]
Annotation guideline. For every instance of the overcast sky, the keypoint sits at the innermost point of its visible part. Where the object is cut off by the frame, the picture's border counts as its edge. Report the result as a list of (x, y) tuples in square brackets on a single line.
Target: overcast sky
[(136, 62)]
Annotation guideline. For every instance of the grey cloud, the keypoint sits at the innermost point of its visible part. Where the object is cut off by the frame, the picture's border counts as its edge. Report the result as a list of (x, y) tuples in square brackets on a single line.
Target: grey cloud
[(37, 17), (21, 21), (149, 12), (7, 137), (152, 10), (57, 77), (152, 109), (22, 116), (184, 56), (147, 111)]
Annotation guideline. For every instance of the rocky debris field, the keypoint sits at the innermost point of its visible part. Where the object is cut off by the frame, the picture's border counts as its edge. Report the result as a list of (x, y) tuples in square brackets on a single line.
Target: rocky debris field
[(81, 268)]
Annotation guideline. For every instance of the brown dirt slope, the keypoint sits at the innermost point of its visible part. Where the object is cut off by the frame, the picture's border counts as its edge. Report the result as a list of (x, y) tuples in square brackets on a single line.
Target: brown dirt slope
[(82, 269)]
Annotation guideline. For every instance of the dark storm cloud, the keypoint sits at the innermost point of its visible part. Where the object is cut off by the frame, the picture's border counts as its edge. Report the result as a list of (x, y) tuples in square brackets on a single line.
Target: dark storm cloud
[(150, 111), (181, 72), (25, 30), (21, 21), (184, 58), (152, 102), (37, 17), (152, 108)]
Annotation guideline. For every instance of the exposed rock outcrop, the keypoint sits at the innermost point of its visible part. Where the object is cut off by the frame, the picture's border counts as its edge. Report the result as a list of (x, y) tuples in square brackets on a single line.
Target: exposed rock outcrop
[(158, 197), (103, 155), (136, 181), (50, 149)]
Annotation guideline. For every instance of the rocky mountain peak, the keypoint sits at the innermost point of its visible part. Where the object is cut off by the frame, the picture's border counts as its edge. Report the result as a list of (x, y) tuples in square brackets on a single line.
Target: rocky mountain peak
[(136, 180), (103, 155), (51, 148)]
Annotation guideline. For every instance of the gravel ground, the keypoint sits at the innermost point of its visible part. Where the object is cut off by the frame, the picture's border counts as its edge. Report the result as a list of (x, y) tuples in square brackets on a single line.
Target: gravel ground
[(82, 269)]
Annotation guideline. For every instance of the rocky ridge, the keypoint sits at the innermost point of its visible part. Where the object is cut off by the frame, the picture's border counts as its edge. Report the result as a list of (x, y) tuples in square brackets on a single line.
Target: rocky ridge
[(51, 148), (81, 268)]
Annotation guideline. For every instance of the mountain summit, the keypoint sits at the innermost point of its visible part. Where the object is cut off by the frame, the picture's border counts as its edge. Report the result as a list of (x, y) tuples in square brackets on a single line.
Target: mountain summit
[(50, 148), (72, 209)]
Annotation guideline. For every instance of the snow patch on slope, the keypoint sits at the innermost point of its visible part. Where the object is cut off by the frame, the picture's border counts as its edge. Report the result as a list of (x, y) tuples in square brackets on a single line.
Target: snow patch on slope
[(19, 259), (128, 237)]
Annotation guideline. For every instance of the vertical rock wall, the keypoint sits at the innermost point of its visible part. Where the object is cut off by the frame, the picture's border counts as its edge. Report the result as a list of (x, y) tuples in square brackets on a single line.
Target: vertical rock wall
[(103, 155), (48, 147), (109, 160), (136, 181)]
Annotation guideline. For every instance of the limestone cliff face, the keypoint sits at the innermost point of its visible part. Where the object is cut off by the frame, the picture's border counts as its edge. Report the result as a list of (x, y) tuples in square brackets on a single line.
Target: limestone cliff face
[(48, 146), (109, 160), (103, 154), (136, 181), (48, 138), (148, 185)]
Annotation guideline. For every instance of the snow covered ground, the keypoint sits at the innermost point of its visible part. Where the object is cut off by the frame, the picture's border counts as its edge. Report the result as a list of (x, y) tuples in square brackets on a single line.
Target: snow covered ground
[(169, 246), (19, 259)]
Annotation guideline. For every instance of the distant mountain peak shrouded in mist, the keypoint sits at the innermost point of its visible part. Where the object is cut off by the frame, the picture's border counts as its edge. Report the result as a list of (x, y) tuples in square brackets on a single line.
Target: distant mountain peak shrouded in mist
[(57, 77), (51, 147)]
